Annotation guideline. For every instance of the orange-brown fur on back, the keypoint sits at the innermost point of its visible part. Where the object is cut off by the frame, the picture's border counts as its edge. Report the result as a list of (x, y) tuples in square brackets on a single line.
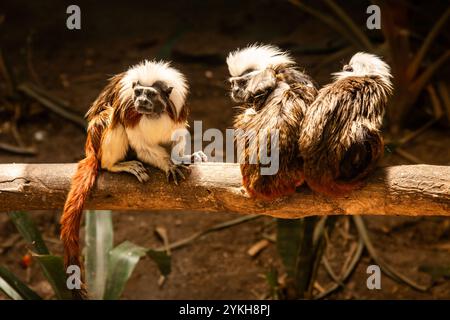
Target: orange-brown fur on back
[(282, 109)]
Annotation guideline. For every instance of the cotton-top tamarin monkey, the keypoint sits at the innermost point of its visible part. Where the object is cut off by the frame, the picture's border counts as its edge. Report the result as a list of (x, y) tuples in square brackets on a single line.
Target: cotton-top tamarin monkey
[(138, 110), (340, 139), (274, 96)]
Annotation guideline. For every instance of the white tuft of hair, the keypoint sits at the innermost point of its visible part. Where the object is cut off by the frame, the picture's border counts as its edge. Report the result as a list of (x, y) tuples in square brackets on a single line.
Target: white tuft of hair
[(366, 64), (256, 57), (149, 72)]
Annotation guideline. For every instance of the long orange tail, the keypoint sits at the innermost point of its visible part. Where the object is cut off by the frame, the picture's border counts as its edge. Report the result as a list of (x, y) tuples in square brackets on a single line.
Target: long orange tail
[(82, 183)]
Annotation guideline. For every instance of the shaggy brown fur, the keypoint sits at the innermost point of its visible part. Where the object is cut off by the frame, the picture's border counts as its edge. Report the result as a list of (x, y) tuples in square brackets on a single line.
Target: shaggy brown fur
[(340, 139), (281, 108)]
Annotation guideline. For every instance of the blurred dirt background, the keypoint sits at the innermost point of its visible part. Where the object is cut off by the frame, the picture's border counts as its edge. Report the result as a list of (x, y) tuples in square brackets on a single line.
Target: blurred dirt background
[(196, 36)]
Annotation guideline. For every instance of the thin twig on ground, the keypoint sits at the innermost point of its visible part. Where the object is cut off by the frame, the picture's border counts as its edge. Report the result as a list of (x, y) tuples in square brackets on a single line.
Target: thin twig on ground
[(51, 102), (347, 271), (220, 226), (18, 150), (385, 267)]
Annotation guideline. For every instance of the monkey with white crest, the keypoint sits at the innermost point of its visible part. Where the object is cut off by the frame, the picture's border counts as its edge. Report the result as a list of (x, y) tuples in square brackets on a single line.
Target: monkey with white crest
[(274, 96), (139, 110), (340, 139)]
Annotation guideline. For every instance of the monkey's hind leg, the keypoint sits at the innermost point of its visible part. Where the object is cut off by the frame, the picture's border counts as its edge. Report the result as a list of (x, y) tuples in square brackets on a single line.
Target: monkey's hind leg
[(134, 167), (113, 150)]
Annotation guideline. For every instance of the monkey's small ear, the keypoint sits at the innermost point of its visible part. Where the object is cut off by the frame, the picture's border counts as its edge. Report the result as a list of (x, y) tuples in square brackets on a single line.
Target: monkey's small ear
[(134, 84), (168, 90)]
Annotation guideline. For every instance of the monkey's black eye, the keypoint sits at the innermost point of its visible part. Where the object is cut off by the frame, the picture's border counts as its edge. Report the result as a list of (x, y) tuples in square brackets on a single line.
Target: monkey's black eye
[(241, 82), (347, 68), (149, 93), (137, 92)]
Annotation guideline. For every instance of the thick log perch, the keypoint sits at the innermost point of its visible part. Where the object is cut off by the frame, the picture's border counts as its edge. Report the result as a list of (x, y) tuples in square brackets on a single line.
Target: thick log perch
[(216, 187)]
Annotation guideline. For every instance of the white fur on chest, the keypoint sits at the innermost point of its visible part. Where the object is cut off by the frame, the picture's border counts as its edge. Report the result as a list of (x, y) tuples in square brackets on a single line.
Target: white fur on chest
[(151, 132)]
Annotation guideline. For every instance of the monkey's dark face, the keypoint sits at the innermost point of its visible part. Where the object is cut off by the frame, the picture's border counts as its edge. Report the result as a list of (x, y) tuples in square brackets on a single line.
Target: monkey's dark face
[(252, 84), (151, 101), (239, 86)]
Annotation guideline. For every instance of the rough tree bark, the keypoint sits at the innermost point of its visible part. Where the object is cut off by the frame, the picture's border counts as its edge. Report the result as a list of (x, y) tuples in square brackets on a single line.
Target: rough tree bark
[(215, 187)]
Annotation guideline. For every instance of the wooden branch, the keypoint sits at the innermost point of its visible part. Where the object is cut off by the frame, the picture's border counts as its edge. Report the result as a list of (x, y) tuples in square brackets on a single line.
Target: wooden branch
[(215, 187)]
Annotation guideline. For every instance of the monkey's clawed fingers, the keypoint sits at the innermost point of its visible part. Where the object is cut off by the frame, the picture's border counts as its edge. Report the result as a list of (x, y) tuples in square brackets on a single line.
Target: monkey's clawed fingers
[(137, 168), (175, 172), (199, 156)]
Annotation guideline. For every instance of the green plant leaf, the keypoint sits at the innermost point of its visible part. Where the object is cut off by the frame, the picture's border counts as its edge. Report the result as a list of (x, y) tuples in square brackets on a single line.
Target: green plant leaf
[(289, 236), (306, 258), (99, 243), (52, 266), (14, 288), (436, 272), (300, 244), (162, 260), (53, 269), (28, 230), (272, 281), (122, 261)]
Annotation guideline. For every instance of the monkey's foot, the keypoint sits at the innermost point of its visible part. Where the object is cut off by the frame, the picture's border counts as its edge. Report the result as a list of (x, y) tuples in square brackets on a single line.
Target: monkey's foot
[(199, 156), (134, 167), (175, 172)]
